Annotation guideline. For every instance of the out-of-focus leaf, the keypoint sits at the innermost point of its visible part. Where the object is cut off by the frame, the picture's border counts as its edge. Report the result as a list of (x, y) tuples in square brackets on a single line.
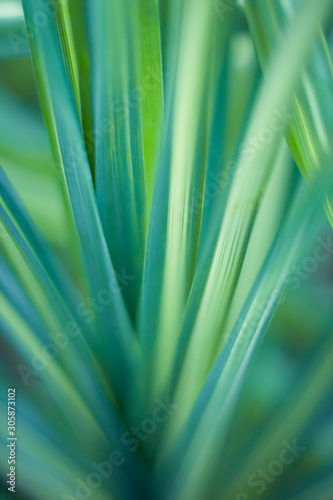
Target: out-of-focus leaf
[(207, 427), (218, 271), (310, 133)]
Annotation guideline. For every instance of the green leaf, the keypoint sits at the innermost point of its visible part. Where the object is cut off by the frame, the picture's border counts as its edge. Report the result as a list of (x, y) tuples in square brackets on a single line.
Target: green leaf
[(310, 133), (175, 222), (116, 94), (69, 149), (217, 275), (206, 430)]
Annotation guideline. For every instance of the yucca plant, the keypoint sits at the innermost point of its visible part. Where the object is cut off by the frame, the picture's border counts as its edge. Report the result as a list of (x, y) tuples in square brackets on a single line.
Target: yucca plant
[(165, 249)]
